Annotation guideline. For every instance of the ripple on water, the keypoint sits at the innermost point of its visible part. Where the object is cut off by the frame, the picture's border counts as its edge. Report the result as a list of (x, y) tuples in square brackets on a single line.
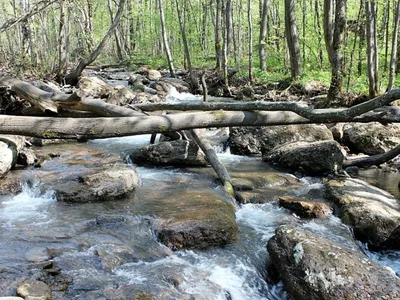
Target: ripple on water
[(29, 207)]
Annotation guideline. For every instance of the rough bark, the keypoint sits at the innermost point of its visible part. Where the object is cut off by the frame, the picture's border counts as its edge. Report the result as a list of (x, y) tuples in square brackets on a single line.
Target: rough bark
[(250, 21), (337, 62), (292, 39), (328, 28), (372, 50), (72, 78), (392, 72), (263, 35), (165, 39)]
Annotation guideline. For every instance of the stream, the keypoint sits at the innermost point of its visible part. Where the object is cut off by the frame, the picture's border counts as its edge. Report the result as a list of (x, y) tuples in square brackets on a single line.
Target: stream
[(34, 227)]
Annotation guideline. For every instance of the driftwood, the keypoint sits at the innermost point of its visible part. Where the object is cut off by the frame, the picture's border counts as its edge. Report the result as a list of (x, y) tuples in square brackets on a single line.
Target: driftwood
[(374, 160)]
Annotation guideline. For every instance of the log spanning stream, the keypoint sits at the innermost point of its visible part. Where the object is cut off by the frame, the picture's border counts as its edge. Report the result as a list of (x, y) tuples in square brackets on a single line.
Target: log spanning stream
[(34, 227)]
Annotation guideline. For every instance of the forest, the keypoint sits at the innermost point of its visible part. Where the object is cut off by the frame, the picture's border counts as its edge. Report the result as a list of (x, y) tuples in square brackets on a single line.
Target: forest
[(351, 46)]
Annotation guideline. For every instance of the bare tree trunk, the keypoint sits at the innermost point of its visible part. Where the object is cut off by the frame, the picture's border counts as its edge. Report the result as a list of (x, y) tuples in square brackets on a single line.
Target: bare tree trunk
[(372, 54), (132, 44), (218, 40), (337, 54), (395, 38), (165, 39), (318, 26), (328, 28), (62, 47), (263, 35), (116, 35), (250, 20), (292, 39), (72, 78)]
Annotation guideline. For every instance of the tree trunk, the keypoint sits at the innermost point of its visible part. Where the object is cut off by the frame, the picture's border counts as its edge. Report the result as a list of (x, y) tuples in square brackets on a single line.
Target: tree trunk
[(165, 39), (263, 35), (328, 28), (218, 39), (318, 26), (392, 72), (250, 20), (73, 77), (116, 35), (372, 54), (292, 39), (62, 47), (337, 53)]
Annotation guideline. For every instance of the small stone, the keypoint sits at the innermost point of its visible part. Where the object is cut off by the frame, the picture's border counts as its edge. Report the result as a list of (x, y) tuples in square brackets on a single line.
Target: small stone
[(33, 289)]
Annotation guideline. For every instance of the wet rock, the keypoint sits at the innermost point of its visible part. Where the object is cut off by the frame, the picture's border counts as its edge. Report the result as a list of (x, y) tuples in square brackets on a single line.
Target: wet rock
[(180, 85), (114, 255), (146, 98), (190, 218), (305, 208), (373, 213), (37, 255), (114, 182), (337, 131), (315, 158), (95, 86), (154, 75), (33, 289), (262, 187), (180, 152), (371, 138), (312, 267), (257, 140)]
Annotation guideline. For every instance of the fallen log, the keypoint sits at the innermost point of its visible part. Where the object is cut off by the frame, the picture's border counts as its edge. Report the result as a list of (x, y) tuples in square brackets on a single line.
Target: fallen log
[(97, 128), (374, 160)]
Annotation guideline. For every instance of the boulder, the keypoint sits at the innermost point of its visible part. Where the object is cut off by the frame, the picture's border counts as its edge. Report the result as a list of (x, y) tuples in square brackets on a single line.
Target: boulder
[(257, 140), (315, 158), (107, 183), (33, 289), (154, 75), (193, 220), (373, 213), (305, 208), (175, 153), (26, 157), (95, 86), (45, 142), (312, 267), (371, 138), (10, 147), (180, 85), (120, 95), (143, 97)]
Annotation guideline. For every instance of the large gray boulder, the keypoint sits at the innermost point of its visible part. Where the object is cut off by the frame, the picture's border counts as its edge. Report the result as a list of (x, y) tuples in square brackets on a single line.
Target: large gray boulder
[(257, 140), (106, 184), (373, 213), (312, 267), (175, 153), (315, 158), (371, 138)]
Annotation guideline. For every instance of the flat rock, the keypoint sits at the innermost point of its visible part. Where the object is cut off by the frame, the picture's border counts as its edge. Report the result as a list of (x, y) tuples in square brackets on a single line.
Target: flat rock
[(312, 267), (305, 208), (175, 153), (261, 140), (315, 158), (33, 289), (373, 213)]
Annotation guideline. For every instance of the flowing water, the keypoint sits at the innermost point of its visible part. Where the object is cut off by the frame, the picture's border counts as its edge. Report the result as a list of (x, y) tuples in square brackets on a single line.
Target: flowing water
[(89, 241)]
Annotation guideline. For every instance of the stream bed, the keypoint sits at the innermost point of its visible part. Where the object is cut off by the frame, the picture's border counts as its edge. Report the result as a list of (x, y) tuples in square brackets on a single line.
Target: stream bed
[(85, 240)]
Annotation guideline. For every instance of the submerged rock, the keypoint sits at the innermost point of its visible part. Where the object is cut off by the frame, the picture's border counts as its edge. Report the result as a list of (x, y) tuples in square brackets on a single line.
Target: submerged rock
[(305, 208), (373, 213), (371, 138), (315, 158), (33, 289), (175, 153), (312, 267), (261, 140)]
